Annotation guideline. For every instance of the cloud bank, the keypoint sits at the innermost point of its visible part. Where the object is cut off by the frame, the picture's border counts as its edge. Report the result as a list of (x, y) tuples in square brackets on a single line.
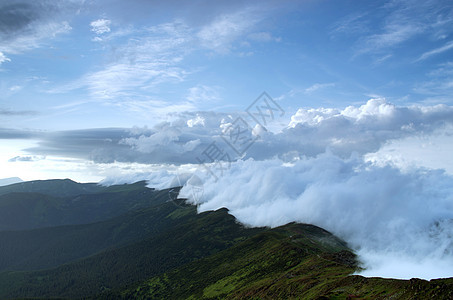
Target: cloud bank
[(383, 213), (377, 130), (358, 130)]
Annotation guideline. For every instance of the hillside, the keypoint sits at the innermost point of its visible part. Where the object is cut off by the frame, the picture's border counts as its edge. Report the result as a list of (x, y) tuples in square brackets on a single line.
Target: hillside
[(295, 261), (186, 237), (51, 247), (149, 245), (80, 204)]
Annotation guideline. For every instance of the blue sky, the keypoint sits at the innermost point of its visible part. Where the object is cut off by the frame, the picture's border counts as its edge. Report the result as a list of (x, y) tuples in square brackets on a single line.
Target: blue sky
[(79, 65)]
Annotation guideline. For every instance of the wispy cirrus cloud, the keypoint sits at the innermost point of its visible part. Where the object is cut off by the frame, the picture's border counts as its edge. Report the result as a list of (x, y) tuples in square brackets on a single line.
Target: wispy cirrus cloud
[(394, 23), (394, 34), (438, 84), (225, 29), (318, 86), (149, 57), (146, 58), (3, 58), (203, 93), (444, 48), (27, 25), (356, 23)]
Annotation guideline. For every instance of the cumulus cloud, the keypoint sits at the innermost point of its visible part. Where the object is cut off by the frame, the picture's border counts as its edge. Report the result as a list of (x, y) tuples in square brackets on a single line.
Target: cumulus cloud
[(182, 140), (100, 26), (362, 129), (354, 130)]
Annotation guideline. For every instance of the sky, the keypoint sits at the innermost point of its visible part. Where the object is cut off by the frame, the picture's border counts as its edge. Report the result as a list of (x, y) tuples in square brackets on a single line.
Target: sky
[(349, 101)]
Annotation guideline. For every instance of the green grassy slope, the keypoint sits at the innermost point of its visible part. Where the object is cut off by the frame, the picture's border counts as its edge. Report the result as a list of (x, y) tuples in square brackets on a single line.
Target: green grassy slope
[(186, 237), (291, 262), (250, 266)]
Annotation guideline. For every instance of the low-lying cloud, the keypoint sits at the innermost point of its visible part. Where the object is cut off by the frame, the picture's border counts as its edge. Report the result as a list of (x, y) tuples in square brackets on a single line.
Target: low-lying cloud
[(381, 212)]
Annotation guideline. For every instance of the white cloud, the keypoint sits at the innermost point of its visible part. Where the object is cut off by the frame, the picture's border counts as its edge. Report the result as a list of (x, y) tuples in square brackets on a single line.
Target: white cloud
[(124, 79), (149, 58), (40, 34), (318, 86), (402, 21), (197, 121), (3, 58), (379, 211), (439, 50), (417, 151), (220, 34), (181, 140), (439, 83), (203, 93), (15, 88), (355, 130), (351, 24), (100, 26), (263, 36), (394, 34), (31, 24)]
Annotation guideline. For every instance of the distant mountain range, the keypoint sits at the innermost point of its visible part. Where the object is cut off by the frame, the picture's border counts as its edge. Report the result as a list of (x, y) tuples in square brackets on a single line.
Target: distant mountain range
[(62, 239), (8, 181)]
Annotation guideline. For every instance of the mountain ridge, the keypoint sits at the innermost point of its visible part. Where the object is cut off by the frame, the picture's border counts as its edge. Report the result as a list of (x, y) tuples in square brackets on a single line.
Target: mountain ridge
[(40, 208), (158, 246)]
